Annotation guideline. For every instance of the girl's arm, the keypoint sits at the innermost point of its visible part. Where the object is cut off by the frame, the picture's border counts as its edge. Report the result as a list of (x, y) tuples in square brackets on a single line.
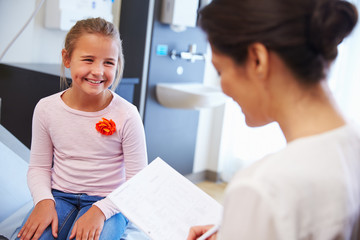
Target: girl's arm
[(41, 157), (134, 145), (39, 181)]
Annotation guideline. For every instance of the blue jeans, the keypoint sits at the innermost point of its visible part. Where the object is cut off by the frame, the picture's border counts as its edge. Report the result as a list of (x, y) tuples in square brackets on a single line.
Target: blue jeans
[(70, 207)]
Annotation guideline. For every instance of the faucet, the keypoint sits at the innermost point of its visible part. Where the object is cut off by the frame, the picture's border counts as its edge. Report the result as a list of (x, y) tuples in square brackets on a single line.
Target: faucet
[(190, 55)]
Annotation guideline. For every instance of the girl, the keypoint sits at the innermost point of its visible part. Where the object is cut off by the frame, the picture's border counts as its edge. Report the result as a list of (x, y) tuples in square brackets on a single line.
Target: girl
[(86, 142), (273, 57)]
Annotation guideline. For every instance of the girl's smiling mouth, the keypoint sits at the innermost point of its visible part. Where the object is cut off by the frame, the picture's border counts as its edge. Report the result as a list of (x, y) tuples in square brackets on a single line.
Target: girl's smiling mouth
[(94, 81)]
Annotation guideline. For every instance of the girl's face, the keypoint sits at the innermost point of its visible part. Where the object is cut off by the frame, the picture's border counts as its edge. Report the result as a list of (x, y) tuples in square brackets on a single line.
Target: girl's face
[(93, 63), (236, 82)]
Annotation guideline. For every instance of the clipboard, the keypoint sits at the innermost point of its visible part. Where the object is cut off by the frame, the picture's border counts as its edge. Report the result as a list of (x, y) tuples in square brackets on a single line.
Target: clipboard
[(164, 204)]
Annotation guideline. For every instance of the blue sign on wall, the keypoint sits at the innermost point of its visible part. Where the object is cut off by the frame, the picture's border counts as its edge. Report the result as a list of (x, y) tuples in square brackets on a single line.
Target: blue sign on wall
[(162, 50)]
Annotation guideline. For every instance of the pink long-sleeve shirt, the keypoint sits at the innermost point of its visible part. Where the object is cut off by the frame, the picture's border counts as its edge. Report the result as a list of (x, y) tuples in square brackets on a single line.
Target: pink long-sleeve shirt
[(68, 153)]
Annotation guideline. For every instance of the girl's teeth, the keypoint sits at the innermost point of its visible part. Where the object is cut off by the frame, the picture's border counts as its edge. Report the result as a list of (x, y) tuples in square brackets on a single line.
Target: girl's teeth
[(96, 82)]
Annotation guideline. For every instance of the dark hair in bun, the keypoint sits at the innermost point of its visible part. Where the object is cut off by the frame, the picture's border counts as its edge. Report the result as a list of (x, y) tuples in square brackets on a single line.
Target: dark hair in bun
[(305, 33), (330, 23)]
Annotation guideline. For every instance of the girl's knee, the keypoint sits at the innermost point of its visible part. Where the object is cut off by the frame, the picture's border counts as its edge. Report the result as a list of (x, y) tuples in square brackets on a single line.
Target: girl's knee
[(114, 227)]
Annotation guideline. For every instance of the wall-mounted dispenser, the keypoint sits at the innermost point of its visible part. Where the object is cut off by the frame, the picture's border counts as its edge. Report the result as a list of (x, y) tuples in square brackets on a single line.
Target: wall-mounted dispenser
[(63, 14), (179, 13)]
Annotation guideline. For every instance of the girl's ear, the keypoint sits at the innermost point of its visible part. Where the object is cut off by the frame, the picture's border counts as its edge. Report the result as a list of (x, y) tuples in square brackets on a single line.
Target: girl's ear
[(258, 61), (65, 58)]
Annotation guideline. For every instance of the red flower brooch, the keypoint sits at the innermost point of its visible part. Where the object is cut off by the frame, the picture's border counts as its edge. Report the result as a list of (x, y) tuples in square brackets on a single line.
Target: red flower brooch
[(106, 127)]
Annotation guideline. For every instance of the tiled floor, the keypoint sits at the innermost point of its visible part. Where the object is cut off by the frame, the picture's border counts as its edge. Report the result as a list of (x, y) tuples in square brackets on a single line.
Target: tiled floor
[(215, 190)]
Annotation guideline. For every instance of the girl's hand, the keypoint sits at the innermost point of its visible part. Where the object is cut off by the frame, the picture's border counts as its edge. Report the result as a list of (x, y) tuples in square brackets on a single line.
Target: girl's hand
[(89, 225), (41, 217), (197, 231)]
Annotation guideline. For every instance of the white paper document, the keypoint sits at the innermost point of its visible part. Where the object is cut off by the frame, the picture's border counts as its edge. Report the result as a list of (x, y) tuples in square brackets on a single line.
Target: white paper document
[(164, 204)]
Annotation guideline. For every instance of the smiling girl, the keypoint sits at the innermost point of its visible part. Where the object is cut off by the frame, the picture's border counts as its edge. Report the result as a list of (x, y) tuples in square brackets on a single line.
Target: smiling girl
[(86, 142)]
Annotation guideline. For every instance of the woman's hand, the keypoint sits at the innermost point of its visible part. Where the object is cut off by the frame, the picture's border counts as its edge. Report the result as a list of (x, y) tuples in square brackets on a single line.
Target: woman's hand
[(89, 225), (197, 231), (41, 217)]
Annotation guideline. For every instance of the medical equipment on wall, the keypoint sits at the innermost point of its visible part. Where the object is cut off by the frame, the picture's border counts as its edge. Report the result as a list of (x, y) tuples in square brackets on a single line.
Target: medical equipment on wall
[(63, 14), (179, 13)]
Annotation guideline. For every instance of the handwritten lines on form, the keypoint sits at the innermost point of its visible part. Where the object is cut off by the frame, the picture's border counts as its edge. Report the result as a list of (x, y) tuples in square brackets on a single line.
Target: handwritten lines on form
[(164, 204)]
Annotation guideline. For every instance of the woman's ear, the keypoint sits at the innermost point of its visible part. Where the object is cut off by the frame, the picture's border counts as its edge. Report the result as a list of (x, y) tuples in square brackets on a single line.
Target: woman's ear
[(258, 61), (65, 58)]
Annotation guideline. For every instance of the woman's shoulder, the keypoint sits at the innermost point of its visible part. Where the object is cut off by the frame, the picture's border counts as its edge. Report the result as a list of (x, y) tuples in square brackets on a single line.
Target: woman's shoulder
[(303, 161)]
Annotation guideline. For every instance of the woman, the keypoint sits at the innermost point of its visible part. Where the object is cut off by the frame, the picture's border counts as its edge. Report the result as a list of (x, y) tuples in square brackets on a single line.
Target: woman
[(273, 57)]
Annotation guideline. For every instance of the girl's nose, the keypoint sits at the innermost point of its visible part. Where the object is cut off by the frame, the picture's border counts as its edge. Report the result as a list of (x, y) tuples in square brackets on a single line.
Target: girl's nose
[(97, 69)]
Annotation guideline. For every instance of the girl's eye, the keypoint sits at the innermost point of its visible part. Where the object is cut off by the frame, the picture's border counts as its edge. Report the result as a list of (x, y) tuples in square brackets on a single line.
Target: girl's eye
[(109, 63), (87, 60)]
